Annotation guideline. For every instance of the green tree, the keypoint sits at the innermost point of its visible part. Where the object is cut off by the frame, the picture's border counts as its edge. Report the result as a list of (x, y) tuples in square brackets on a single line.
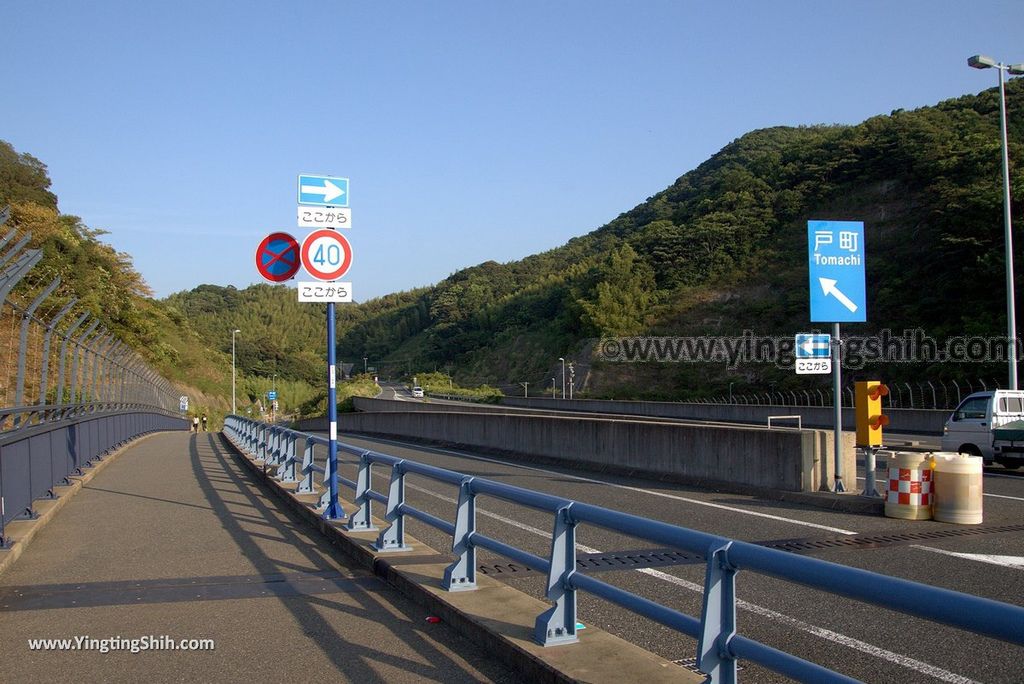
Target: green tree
[(622, 297)]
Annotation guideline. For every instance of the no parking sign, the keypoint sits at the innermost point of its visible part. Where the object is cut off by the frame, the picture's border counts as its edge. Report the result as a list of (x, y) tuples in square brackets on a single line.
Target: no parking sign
[(277, 257)]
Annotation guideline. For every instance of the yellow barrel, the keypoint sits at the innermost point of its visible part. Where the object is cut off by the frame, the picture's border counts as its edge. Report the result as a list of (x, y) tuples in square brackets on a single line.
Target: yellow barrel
[(909, 494), (958, 489)]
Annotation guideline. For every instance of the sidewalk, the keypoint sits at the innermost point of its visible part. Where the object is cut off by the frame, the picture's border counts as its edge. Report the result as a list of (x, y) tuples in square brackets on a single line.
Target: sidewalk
[(172, 539)]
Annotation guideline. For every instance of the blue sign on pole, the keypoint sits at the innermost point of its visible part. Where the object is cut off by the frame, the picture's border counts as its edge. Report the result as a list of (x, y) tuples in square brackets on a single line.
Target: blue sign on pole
[(835, 251), (323, 191), (271, 395), (813, 346)]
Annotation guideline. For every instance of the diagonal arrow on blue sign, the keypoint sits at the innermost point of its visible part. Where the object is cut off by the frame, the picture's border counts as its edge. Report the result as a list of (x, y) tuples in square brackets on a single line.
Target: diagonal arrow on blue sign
[(835, 251)]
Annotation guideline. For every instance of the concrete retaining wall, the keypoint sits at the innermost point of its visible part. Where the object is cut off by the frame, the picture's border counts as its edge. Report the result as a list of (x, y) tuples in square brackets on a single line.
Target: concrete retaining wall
[(922, 421), (750, 458)]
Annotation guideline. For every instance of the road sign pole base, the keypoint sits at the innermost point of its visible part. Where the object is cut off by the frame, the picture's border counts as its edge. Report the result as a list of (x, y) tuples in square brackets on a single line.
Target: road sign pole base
[(869, 472), (334, 512)]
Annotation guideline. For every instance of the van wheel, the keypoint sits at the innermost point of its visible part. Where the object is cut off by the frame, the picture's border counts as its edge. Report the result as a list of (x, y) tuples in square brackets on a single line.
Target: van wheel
[(970, 450)]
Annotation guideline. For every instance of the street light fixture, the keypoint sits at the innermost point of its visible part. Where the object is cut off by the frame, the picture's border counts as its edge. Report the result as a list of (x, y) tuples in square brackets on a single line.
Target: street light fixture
[(563, 376), (233, 408), (986, 62)]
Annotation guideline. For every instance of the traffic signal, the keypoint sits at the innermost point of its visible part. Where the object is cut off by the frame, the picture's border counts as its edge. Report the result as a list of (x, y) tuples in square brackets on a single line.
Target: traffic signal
[(868, 411)]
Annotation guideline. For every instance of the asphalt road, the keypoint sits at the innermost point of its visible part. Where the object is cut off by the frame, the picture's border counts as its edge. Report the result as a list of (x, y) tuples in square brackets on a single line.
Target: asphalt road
[(862, 641)]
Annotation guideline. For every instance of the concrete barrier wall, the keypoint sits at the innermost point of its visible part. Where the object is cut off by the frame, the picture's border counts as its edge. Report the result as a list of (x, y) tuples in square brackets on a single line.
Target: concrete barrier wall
[(923, 421), (788, 460)]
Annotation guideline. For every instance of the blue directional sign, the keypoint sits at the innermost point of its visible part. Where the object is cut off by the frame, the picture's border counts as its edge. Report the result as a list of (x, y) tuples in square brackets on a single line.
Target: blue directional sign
[(272, 395), (813, 346), (835, 251), (324, 191)]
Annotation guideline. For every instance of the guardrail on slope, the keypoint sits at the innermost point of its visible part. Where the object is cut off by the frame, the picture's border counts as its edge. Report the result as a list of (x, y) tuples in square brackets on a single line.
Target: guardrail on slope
[(70, 390), (719, 646)]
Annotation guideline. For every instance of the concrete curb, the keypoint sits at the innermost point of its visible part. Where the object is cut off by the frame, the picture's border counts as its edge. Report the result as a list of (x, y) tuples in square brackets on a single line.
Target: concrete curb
[(22, 532), (845, 503), (495, 616)]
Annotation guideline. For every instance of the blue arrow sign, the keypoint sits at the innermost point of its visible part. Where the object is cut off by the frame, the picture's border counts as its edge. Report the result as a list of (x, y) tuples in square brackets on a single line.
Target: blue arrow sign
[(324, 191), (271, 395), (835, 251), (813, 346)]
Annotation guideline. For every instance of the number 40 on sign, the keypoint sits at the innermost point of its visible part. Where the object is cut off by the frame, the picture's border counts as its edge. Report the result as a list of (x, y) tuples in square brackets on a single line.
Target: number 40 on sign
[(326, 254)]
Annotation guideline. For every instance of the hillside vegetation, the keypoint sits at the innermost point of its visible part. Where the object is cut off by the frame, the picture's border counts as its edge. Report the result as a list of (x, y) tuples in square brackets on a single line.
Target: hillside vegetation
[(720, 251), (723, 250)]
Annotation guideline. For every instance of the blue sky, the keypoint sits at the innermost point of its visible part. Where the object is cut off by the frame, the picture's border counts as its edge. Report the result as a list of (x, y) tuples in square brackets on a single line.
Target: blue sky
[(470, 130)]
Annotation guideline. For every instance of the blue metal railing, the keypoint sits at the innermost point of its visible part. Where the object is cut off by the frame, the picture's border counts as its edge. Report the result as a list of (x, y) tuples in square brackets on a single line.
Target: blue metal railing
[(36, 458), (719, 646)]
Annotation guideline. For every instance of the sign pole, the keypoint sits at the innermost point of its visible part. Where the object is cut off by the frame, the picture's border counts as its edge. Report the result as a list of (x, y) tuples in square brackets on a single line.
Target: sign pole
[(334, 510), (837, 392)]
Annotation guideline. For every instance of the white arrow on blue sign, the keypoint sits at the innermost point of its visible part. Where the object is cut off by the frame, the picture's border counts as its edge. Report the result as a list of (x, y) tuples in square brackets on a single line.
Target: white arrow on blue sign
[(323, 191), (813, 346), (835, 251)]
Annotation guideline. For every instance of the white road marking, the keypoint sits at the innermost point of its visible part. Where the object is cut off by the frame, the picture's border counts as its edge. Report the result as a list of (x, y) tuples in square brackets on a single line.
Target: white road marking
[(1005, 477), (997, 496), (675, 497), (1005, 561), (827, 634), (1003, 496), (814, 630)]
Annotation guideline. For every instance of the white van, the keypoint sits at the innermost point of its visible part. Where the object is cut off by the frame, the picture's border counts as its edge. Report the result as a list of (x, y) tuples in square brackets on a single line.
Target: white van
[(969, 429)]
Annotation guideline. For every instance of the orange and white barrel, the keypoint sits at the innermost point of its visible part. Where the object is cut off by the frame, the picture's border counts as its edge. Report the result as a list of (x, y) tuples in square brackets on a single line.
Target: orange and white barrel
[(909, 494), (958, 489)]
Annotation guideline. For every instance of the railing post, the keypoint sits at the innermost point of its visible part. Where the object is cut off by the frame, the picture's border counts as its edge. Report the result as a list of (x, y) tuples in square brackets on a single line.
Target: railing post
[(79, 350), (272, 445), (461, 575), (557, 625), (362, 519), (26, 320), (392, 538), (99, 358), (306, 485), (718, 618), (287, 471), (108, 374), (261, 443), (66, 338)]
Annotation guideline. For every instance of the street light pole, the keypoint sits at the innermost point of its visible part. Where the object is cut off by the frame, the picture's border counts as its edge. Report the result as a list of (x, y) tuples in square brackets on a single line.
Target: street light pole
[(234, 410), (985, 62), (563, 375)]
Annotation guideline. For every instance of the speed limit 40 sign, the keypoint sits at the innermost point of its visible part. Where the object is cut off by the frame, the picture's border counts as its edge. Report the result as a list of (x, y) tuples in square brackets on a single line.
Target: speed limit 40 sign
[(326, 254)]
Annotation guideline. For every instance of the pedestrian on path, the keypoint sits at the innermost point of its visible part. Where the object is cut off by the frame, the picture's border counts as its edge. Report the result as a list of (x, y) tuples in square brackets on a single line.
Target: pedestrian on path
[(204, 422), (195, 424)]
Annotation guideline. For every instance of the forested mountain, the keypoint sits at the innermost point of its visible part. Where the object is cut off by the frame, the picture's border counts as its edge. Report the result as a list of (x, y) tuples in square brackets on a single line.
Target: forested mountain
[(721, 250), (107, 285)]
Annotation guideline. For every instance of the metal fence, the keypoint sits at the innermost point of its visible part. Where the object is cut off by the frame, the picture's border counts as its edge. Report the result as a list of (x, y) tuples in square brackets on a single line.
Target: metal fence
[(70, 390), (719, 646), (929, 394)]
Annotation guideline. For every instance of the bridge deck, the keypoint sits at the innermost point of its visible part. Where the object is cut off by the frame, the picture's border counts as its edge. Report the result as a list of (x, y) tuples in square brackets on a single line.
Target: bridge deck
[(173, 539)]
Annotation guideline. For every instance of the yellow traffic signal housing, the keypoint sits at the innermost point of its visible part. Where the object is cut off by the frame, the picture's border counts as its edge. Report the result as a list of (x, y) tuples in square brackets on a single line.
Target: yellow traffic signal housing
[(868, 410)]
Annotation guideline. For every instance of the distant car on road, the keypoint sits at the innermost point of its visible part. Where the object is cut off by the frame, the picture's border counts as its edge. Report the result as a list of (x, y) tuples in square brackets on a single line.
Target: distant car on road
[(417, 392)]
